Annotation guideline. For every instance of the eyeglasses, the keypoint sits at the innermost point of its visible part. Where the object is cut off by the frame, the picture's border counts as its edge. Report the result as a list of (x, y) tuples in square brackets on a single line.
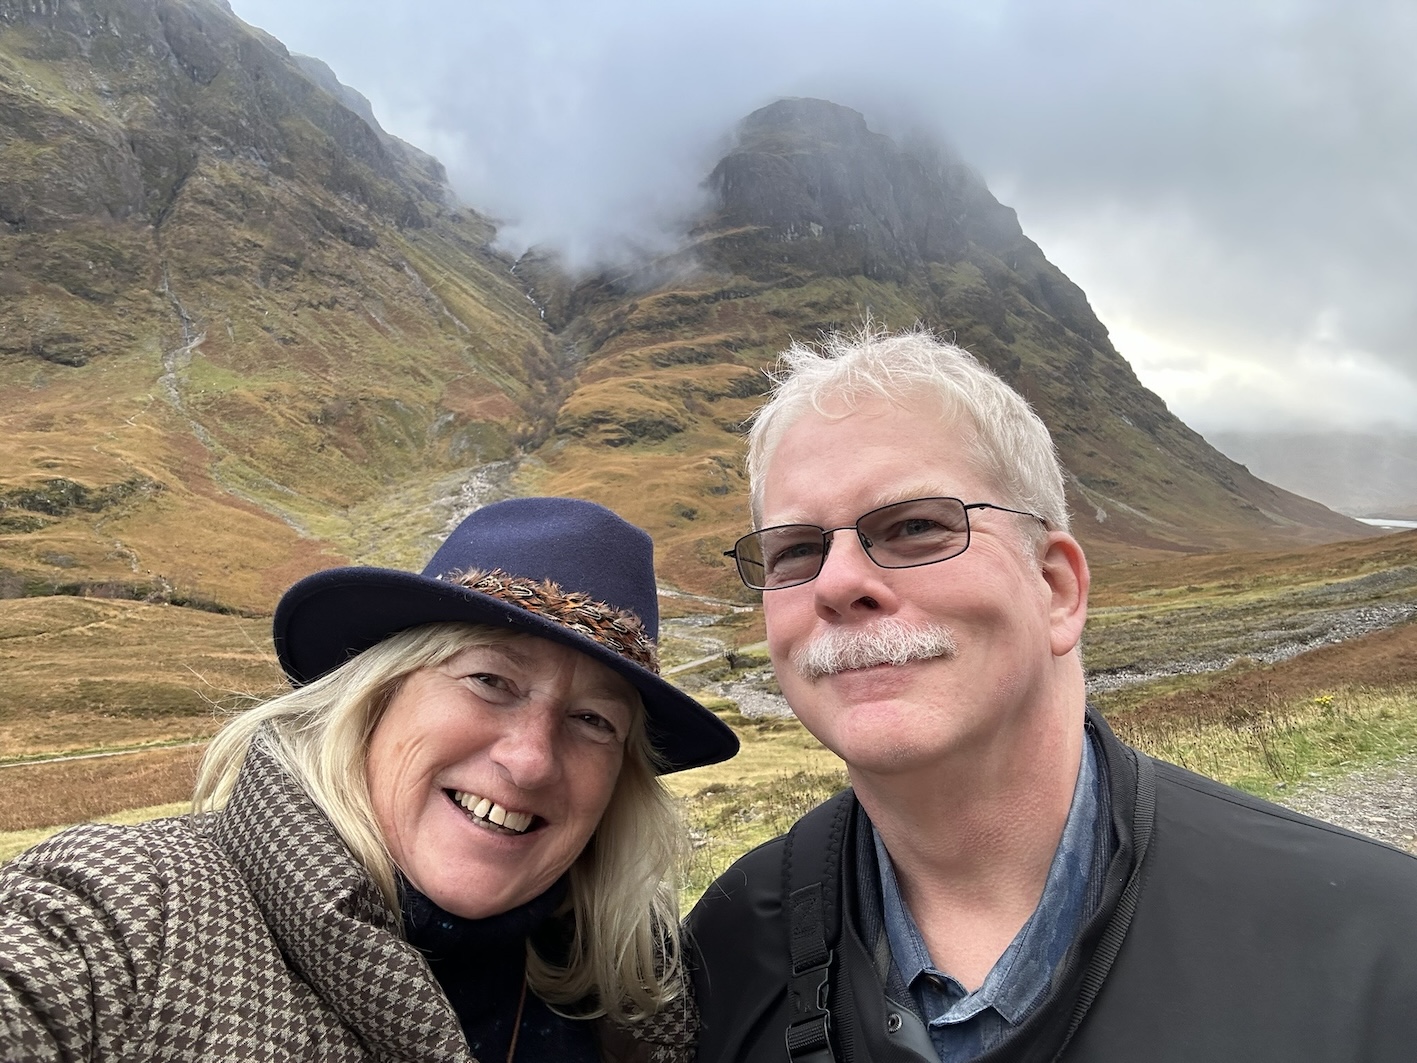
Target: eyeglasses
[(908, 534)]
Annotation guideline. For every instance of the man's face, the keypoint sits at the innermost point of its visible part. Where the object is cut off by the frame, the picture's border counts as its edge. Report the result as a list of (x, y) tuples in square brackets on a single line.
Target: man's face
[(993, 599)]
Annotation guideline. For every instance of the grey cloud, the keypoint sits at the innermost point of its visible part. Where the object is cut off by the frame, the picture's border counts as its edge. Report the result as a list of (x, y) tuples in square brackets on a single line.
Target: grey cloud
[(1254, 159)]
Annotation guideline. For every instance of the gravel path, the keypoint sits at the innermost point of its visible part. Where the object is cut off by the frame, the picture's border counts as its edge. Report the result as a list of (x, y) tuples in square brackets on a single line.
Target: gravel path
[(1380, 802), (1271, 647)]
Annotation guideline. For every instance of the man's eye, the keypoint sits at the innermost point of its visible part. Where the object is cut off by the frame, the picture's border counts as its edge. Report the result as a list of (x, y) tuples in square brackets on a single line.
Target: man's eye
[(919, 526), (795, 552)]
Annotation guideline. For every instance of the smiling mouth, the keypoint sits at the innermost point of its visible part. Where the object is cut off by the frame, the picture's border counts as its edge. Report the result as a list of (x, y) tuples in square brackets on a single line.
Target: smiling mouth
[(487, 813)]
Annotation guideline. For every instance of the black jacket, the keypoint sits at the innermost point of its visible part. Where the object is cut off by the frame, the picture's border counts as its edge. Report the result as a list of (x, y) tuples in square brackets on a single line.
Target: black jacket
[(1230, 929)]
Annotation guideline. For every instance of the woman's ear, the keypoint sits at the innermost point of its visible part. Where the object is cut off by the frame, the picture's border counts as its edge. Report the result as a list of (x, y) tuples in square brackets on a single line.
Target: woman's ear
[(1065, 571)]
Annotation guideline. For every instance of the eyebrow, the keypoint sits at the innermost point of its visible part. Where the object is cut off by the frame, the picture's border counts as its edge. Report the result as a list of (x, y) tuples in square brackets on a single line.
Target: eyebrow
[(888, 498), (509, 650)]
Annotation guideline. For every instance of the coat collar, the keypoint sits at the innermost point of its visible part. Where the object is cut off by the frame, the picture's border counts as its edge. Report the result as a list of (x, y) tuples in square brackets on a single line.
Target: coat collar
[(331, 923)]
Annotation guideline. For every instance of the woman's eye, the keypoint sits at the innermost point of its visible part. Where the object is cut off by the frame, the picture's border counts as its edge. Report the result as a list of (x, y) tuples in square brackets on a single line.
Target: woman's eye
[(490, 681), (596, 723)]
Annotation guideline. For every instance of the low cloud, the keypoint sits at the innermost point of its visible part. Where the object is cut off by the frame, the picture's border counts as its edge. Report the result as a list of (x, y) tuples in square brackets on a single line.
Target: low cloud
[(1229, 181)]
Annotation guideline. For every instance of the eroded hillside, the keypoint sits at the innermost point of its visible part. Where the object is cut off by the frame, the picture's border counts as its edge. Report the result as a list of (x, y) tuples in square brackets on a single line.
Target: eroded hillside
[(234, 314)]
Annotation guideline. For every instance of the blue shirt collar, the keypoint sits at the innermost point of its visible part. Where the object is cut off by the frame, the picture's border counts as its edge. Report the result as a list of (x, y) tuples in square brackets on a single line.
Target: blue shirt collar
[(1021, 975)]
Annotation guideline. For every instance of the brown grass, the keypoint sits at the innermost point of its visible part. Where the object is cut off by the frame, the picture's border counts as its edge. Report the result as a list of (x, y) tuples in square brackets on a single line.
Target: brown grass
[(1242, 572), (79, 674), (1378, 661), (72, 791)]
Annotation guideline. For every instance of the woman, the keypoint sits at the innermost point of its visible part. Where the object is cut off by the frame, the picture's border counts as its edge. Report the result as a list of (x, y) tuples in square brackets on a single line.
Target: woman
[(447, 842)]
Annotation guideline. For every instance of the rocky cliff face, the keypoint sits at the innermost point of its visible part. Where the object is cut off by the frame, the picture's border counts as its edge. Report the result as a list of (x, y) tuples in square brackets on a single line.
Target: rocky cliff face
[(811, 169), (821, 222)]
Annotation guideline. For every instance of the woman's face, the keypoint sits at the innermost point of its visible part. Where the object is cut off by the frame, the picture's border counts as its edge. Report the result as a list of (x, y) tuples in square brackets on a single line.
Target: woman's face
[(489, 773)]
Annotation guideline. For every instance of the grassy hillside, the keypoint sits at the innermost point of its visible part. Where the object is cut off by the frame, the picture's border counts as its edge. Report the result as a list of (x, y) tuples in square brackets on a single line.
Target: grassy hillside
[(246, 334), (235, 316)]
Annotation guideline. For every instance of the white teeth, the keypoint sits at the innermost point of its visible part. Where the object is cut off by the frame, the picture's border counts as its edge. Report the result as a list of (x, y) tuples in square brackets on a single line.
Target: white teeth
[(488, 811)]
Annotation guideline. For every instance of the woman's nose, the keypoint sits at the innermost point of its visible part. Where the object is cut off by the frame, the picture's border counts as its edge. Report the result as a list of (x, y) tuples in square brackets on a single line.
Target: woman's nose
[(528, 750)]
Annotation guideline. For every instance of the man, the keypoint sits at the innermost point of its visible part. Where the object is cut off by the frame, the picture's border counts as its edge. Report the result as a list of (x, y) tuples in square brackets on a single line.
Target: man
[(1005, 880)]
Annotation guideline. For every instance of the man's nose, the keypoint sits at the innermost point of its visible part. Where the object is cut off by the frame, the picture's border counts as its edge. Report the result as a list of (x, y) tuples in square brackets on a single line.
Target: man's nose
[(849, 580)]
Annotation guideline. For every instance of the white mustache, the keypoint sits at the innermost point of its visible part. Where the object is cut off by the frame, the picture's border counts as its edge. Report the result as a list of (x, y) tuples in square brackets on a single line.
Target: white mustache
[(887, 641)]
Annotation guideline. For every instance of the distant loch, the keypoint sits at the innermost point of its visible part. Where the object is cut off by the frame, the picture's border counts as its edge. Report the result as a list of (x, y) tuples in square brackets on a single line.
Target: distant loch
[(1388, 522)]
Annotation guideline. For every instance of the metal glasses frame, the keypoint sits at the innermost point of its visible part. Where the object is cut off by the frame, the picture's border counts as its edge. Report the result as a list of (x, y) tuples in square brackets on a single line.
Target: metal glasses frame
[(827, 535)]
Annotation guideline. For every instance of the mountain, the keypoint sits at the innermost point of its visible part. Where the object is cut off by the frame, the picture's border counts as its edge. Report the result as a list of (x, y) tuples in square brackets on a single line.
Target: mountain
[(245, 332), (233, 311), (1367, 474), (820, 221)]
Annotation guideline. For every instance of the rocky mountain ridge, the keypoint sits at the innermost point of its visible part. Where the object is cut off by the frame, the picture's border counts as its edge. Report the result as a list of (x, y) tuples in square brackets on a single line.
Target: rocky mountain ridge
[(819, 223), (219, 279), (244, 332)]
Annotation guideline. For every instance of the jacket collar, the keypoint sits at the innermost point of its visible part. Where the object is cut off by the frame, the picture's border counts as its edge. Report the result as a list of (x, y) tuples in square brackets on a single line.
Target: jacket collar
[(329, 919), (1043, 1035)]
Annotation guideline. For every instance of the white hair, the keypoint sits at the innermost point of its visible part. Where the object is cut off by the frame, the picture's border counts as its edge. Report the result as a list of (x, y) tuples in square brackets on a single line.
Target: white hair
[(889, 640), (624, 958), (1005, 439)]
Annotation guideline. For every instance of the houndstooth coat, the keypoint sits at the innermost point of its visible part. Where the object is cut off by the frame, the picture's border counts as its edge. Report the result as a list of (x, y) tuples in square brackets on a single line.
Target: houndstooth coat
[(246, 934)]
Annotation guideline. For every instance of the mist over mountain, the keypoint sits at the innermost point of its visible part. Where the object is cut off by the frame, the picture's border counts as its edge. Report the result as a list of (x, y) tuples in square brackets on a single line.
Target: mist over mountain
[(1359, 473), (246, 333), (1228, 179), (819, 222)]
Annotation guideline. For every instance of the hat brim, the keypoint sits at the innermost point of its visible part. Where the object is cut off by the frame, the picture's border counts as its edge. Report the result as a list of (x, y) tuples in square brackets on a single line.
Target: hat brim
[(328, 618)]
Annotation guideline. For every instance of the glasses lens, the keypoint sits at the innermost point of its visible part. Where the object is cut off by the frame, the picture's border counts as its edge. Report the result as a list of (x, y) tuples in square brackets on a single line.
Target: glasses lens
[(780, 557), (918, 532)]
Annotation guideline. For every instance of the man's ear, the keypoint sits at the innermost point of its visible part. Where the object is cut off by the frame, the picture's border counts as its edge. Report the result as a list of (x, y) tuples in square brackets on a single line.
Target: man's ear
[(1065, 571)]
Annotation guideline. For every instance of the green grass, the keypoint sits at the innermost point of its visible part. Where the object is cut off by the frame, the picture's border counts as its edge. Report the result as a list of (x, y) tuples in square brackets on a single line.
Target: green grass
[(780, 773), (1267, 744), (12, 843), (727, 821)]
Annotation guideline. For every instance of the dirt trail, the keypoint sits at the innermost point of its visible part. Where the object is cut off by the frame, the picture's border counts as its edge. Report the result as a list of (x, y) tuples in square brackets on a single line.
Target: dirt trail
[(99, 756), (1328, 629)]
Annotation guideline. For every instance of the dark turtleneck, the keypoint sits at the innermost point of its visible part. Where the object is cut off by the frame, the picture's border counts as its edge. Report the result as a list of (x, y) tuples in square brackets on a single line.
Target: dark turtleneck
[(480, 963)]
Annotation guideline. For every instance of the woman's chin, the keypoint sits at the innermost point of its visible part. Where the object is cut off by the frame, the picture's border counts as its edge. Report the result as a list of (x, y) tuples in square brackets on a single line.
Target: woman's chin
[(477, 898), (476, 871)]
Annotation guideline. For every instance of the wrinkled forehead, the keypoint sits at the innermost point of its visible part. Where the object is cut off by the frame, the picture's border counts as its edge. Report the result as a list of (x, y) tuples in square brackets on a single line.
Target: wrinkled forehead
[(531, 653)]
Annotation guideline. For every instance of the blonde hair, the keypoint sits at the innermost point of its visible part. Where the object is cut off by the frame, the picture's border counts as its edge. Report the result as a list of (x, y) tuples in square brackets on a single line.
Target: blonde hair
[(624, 959), (1006, 440)]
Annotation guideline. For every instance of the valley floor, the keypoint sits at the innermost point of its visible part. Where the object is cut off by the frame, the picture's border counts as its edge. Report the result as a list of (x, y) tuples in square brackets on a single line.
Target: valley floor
[(1293, 676)]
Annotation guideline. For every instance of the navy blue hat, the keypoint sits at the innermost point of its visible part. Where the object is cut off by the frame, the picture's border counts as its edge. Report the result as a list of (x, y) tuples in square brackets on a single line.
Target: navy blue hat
[(494, 569)]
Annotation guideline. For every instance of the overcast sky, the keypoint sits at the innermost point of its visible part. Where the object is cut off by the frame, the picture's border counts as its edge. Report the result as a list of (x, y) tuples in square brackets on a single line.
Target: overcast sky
[(1232, 182)]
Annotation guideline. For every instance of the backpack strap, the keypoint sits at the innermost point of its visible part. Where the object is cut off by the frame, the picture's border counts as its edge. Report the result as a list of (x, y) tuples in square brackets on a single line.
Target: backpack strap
[(811, 897)]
